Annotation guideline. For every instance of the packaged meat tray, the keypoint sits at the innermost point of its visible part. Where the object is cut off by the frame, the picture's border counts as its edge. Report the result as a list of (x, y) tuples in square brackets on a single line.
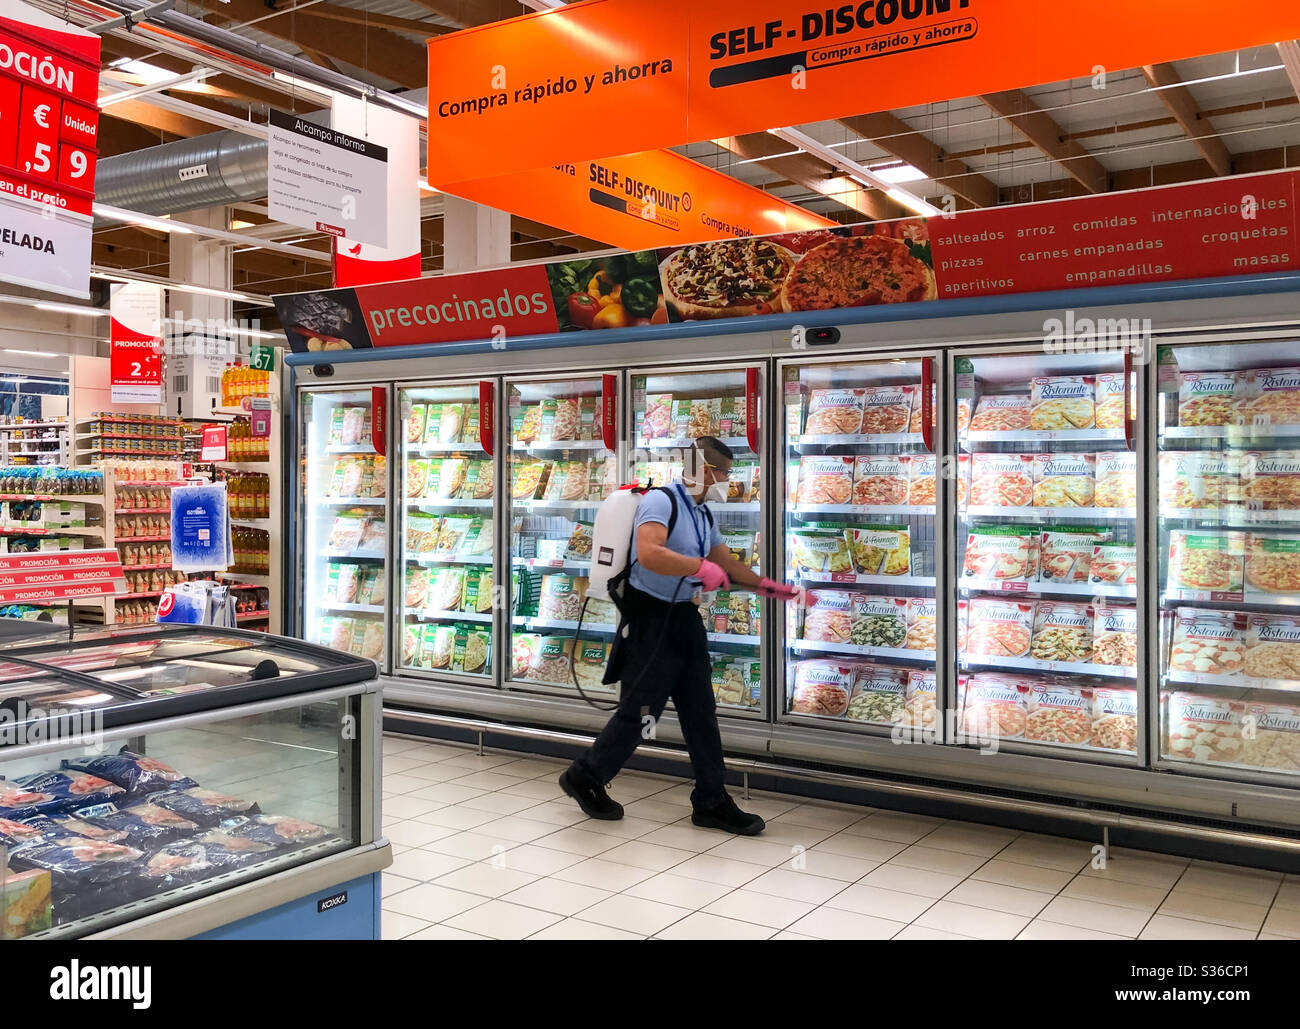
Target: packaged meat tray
[(1059, 714), (1064, 480), (1062, 631), (1273, 739), (68, 789), (1116, 479), (921, 621), (997, 554), (1209, 642), (1199, 480), (1062, 402), (144, 826), (825, 480), (1272, 565), (880, 549), (1203, 729), (999, 628), (1115, 636), (1113, 564), (1272, 647), (1209, 398), (834, 412), (1110, 400), (822, 687), (1270, 480), (880, 480), (828, 617), (995, 705), (886, 409), (1271, 397), (879, 621), (920, 709), (921, 480), (1007, 412), (1002, 480), (205, 808), (1114, 719), (1065, 552), (879, 694), (819, 550), (134, 773)]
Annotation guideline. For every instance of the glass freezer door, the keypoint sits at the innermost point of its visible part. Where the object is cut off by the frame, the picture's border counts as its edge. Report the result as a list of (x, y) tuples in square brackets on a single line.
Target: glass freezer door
[(859, 536), (1048, 575), (669, 410), (343, 521), (1228, 481), (563, 463), (447, 542)]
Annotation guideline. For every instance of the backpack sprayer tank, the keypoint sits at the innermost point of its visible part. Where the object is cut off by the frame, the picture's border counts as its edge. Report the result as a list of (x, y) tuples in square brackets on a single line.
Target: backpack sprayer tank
[(611, 537)]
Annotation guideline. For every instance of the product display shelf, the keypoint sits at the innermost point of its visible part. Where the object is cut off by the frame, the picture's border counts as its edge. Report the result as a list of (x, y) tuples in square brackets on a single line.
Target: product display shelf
[(1050, 589), (376, 609), (807, 511), (563, 624), (985, 662), (803, 646), (431, 559), (815, 441), (979, 436), (444, 448), (547, 564), (1054, 514), (739, 444), (433, 614), (852, 578), (16, 448), (273, 520), (442, 504), (354, 501)]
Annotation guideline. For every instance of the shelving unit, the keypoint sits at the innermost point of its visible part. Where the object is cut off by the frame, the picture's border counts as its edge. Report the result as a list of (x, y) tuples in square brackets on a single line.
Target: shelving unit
[(49, 446)]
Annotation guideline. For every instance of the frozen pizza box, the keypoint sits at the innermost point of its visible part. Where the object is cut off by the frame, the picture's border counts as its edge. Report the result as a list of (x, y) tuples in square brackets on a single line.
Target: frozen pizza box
[(920, 707), (1271, 737), (742, 484), (479, 481), (1062, 402), (921, 623), (526, 423), (1113, 564), (886, 409), (819, 550), (740, 543), (1272, 565), (1271, 397), (880, 480), (1001, 480), (561, 598), (1116, 479), (879, 621), (731, 416), (1270, 480), (828, 616), (451, 423), (1203, 729), (822, 687), (432, 423), (1064, 480), (1209, 643), (918, 407), (1001, 556), (523, 646), (551, 662), (1115, 636), (921, 480), (568, 481), (470, 433), (26, 904), (1109, 400), (1209, 398), (999, 628), (561, 419), (879, 695), (834, 412), (825, 480), (1059, 714), (963, 480), (422, 532), (1066, 552), (477, 540), (1114, 719), (1199, 480), (1062, 631), (1272, 647), (880, 549), (478, 589), (417, 476), (1001, 412), (656, 421), (449, 479), (995, 705)]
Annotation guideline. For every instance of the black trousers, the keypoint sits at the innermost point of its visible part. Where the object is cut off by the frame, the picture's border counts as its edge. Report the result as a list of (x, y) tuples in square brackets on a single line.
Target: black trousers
[(664, 655)]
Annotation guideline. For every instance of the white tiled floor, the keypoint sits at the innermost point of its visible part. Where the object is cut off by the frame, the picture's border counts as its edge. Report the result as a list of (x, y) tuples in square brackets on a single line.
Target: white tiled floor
[(490, 848)]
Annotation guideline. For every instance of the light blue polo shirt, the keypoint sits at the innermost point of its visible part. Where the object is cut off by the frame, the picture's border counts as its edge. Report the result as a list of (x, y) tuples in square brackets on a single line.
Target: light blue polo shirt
[(692, 525)]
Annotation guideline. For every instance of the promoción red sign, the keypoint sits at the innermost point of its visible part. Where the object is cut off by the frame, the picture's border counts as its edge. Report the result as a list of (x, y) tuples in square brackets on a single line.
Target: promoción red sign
[(135, 343), (60, 575)]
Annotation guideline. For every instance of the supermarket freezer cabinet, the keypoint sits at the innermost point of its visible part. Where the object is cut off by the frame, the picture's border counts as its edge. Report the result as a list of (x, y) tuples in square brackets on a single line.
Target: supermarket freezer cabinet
[(167, 781)]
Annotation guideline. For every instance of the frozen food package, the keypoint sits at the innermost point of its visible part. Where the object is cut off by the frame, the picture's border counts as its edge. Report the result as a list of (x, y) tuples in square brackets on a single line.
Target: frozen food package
[(449, 479), (372, 637), (1002, 480), (437, 645), (422, 532), (568, 481), (1062, 402), (1062, 631), (15, 834), (477, 541), (825, 480), (478, 483), (880, 549), (1209, 398), (451, 423), (740, 543), (373, 534), (523, 647), (345, 533), (1114, 564), (1064, 480), (886, 409), (1059, 714), (410, 645), (451, 533), (447, 590), (727, 681), (1271, 397), (205, 808), (1115, 636), (417, 476), (529, 479), (353, 472), (995, 705), (963, 480), (1271, 736), (79, 866), (921, 623), (828, 616), (921, 480), (1109, 400), (920, 707), (878, 621), (742, 484), (879, 694), (1270, 480), (589, 664), (336, 426), (562, 597), (527, 423), (1001, 412), (918, 406), (999, 628), (963, 415), (477, 648), (1065, 552), (143, 825), (566, 421), (372, 586), (17, 802), (416, 592), (1114, 719), (1199, 480), (470, 433), (1272, 565), (819, 550), (1210, 642), (478, 589), (551, 661), (997, 554), (277, 831), (415, 417), (880, 480), (731, 416), (579, 546), (1203, 729), (822, 687), (347, 583), (1272, 647), (134, 773), (69, 788), (834, 412), (355, 421), (657, 420)]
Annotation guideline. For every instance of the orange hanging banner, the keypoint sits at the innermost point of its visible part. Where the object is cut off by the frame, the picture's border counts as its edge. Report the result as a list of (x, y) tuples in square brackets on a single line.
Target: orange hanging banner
[(641, 201), (605, 77)]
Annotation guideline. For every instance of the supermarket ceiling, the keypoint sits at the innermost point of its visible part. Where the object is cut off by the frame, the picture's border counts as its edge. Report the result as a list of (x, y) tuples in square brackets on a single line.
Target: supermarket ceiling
[(1219, 115)]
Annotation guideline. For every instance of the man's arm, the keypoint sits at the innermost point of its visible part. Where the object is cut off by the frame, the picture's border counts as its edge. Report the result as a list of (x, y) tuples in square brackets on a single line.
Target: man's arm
[(653, 554), (738, 572)]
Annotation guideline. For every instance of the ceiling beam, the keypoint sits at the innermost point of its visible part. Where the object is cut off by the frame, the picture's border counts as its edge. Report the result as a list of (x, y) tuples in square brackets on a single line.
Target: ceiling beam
[(896, 137), (1041, 129), (473, 12), (354, 16), (1289, 51), (150, 116), (1183, 106)]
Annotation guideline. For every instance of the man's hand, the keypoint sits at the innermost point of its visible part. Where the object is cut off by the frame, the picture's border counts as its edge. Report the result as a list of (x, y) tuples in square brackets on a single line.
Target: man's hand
[(777, 590), (711, 576)]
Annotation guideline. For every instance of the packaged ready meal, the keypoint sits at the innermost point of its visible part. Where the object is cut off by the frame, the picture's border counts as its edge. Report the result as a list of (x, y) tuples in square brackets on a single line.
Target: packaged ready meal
[(1065, 552), (819, 550), (1062, 402), (878, 621), (879, 480), (886, 409), (921, 480), (1209, 398), (1002, 480), (999, 628), (731, 416), (1210, 642), (1271, 397), (834, 412), (579, 546), (920, 708), (1272, 647), (1110, 400), (1005, 412), (1062, 631), (1274, 737), (1059, 714), (828, 616), (450, 535), (921, 622), (1114, 564), (1270, 480), (879, 694), (825, 480), (1198, 480), (1115, 636), (995, 705), (880, 549), (1203, 729), (1064, 480), (997, 554), (1114, 719), (822, 687), (1272, 564)]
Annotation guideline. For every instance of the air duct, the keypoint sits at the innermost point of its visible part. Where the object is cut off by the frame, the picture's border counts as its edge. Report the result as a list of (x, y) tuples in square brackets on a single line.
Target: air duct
[(219, 168)]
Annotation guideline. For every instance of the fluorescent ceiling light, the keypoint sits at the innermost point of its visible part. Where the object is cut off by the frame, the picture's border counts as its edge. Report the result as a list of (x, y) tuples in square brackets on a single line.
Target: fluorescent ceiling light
[(168, 82), (239, 223), (69, 309), (912, 202), (860, 172), (897, 173), (306, 87), (183, 287), (117, 214), (542, 5), (32, 353), (141, 69)]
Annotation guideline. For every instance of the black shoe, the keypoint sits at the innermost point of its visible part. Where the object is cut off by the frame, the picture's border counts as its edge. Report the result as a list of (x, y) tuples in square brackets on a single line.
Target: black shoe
[(729, 818), (586, 789)]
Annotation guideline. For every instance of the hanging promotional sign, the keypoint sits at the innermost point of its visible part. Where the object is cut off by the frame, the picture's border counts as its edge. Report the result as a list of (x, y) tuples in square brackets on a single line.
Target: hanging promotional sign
[(213, 447), (200, 528), (548, 88), (49, 126), (60, 575), (325, 180), (654, 199), (135, 343)]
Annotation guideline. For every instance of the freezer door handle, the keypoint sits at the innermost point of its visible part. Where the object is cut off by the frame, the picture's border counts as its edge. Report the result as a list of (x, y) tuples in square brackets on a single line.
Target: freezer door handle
[(487, 414), (1128, 401), (927, 403), (751, 408)]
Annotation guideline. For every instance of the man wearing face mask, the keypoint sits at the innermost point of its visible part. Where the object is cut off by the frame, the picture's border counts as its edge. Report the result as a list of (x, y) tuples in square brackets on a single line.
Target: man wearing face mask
[(665, 650)]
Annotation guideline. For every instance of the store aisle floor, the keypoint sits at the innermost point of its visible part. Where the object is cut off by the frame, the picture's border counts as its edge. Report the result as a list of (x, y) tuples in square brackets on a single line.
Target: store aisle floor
[(489, 847)]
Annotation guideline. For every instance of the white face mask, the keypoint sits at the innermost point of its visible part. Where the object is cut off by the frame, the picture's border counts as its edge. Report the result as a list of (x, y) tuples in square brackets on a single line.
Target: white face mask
[(716, 493)]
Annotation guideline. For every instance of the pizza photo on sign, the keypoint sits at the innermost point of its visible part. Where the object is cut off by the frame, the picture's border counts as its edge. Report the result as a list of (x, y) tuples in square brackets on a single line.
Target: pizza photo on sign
[(727, 279), (858, 271)]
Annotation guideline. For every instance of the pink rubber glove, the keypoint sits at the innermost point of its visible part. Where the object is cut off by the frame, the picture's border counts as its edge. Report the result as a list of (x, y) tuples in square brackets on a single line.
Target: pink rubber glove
[(711, 576), (777, 590)]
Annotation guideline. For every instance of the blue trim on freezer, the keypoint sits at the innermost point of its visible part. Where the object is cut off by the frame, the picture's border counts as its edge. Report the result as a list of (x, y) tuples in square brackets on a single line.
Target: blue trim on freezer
[(1093, 296), (358, 919)]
